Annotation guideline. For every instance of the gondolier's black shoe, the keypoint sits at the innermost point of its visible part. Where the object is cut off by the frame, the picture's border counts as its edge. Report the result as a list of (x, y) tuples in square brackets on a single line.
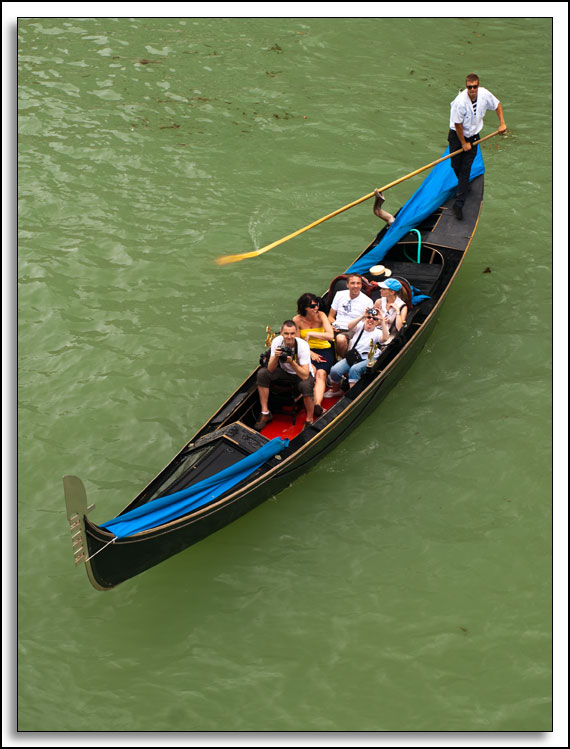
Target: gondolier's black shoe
[(458, 210), (263, 421)]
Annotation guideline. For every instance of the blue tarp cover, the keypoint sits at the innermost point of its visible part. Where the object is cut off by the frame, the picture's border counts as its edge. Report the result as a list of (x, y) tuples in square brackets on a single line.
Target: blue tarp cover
[(417, 296), (164, 509), (434, 191)]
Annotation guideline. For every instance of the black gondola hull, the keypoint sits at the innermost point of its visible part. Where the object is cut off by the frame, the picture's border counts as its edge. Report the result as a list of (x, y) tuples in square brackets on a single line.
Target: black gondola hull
[(110, 561)]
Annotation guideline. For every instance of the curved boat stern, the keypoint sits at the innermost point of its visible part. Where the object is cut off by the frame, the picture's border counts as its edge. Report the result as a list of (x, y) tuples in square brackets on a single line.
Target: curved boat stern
[(77, 509)]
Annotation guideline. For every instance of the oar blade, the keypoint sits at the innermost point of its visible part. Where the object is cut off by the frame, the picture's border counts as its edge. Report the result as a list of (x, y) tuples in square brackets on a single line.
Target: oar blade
[(227, 259)]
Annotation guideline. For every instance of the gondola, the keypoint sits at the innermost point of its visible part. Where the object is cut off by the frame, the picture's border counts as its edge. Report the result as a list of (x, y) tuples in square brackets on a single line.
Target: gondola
[(426, 259)]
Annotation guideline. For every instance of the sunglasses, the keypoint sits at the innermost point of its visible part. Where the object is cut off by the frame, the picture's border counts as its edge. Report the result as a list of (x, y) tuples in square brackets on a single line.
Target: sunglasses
[(313, 304), (477, 86)]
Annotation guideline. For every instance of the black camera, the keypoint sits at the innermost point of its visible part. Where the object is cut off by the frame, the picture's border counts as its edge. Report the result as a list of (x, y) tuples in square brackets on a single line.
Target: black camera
[(372, 312), (286, 352)]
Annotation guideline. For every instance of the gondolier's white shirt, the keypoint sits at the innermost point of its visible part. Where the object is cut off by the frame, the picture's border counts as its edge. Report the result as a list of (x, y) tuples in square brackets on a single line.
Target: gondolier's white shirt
[(462, 111)]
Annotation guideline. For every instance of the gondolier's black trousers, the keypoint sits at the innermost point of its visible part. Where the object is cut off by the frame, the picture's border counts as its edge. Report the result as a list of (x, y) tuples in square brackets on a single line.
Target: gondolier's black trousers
[(461, 164)]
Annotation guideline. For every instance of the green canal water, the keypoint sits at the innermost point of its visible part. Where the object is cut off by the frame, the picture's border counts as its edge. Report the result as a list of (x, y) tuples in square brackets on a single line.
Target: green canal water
[(405, 583)]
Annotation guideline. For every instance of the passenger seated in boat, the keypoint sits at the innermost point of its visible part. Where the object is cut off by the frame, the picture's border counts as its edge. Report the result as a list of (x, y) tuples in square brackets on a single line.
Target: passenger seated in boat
[(289, 361), (366, 334), (347, 305), (379, 211), (315, 328), (392, 308)]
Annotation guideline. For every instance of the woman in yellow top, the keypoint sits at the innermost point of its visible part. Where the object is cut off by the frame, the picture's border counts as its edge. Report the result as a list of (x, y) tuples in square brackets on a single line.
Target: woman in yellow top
[(315, 328)]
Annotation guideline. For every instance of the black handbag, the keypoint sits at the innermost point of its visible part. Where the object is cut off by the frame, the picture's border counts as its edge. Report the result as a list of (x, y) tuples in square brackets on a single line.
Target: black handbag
[(352, 356)]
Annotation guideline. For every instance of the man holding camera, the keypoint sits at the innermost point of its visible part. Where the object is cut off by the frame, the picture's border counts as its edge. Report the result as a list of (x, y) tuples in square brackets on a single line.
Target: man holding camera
[(289, 361)]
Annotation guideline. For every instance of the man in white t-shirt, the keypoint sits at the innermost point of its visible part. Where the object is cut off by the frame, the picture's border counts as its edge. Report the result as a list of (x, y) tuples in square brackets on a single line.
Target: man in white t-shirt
[(465, 123), (289, 361), (347, 305)]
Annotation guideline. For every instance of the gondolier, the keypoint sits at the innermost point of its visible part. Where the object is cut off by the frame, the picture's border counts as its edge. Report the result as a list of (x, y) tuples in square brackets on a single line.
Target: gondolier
[(465, 123)]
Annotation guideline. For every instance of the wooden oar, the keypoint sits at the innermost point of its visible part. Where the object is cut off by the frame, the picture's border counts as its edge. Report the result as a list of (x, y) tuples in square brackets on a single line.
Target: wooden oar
[(225, 259)]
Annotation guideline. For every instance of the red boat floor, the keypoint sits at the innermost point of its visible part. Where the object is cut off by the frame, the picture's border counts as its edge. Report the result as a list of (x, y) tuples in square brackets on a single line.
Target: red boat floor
[(282, 423)]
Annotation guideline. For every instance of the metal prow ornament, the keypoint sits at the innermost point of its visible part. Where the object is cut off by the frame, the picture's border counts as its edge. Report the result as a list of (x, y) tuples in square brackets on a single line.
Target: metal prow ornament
[(269, 336), (373, 349)]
